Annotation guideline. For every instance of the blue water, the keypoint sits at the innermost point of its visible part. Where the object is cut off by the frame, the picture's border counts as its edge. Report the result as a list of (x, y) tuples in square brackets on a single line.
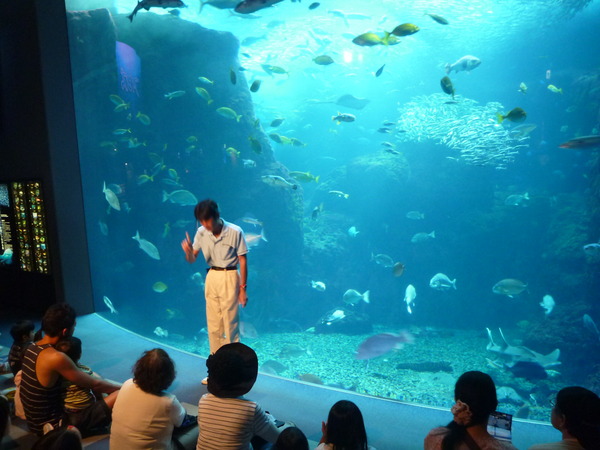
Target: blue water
[(480, 237)]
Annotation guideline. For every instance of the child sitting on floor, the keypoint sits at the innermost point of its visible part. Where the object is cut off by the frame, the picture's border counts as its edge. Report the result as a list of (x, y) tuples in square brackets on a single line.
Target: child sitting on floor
[(88, 411), (225, 417), (344, 429), (22, 333)]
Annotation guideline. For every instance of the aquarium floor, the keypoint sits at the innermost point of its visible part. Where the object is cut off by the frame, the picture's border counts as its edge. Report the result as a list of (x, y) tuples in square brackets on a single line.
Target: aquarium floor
[(111, 351)]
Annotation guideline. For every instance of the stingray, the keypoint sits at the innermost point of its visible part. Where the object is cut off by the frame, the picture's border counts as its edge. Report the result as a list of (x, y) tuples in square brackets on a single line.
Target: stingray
[(347, 100)]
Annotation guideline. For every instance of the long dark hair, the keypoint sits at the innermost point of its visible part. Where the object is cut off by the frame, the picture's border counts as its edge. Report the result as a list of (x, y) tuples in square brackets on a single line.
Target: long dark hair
[(345, 427), (581, 409), (476, 389)]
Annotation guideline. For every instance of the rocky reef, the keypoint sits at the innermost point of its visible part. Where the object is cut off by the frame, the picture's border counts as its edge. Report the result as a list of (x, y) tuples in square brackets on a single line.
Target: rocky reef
[(145, 128)]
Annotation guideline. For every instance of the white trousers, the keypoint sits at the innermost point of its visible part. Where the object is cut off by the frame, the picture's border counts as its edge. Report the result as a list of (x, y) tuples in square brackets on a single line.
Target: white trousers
[(221, 290)]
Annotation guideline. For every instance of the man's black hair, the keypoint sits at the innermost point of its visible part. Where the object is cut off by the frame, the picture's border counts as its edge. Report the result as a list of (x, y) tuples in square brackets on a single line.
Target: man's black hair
[(207, 209), (20, 329), (58, 317)]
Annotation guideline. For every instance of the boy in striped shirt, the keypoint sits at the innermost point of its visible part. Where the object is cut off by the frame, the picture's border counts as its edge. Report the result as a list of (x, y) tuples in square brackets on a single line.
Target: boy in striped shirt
[(226, 419), (87, 410)]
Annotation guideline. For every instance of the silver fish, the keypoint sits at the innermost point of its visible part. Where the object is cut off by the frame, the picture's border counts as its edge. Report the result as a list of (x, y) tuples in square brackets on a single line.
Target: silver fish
[(147, 246), (180, 197), (383, 260), (110, 305), (441, 282), (276, 180), (111, 198), (352, 297), (251, 6), (422, 237), (409, 297), (466, 63)]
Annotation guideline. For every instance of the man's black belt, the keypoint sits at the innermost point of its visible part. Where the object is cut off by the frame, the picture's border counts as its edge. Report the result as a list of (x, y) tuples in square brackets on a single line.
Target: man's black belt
[(223, 268)]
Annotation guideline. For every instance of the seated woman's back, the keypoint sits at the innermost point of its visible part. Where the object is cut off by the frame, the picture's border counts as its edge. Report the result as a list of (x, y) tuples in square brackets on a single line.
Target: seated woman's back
[(144, 415), (434, 440), (476, 399)]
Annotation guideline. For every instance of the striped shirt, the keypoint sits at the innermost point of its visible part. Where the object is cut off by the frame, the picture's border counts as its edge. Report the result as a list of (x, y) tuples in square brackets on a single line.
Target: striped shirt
[(77, 398), (230, 423), (41, 404)]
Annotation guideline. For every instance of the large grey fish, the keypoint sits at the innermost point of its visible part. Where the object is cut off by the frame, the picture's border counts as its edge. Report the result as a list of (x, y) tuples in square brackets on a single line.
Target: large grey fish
[(382, 343), (181, 197), (147, 4), (111, 198), (441, 282), (251, 6), (352, 297), (147, 246), (466, 63), (422, 237), (383, 260), (221, 4), (509, 287)]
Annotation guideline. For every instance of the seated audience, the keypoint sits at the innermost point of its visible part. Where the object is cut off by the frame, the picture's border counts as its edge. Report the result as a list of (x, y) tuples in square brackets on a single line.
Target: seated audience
[(65, 438), (475, 396), (144, 415), (86, 410), (225, 417), (44, 367), (22, 333), (576, 414), (291, 438), (345, 428)]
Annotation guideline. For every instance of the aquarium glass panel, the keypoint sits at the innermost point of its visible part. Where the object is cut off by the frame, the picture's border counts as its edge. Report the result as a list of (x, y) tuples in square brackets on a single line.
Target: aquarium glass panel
[(417, 182)]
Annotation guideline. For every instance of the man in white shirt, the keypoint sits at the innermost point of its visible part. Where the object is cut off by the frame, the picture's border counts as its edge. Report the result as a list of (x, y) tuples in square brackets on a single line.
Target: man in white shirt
[(224, 247)]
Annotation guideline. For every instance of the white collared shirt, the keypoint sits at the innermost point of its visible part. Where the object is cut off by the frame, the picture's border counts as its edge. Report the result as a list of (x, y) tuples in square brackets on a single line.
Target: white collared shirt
[(222, 251)]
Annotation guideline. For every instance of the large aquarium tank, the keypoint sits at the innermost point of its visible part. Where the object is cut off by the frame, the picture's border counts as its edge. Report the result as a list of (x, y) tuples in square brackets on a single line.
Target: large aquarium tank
[(418, 183)]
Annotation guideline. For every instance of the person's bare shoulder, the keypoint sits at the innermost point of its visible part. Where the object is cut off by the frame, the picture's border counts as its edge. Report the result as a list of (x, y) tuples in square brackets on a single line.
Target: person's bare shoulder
[(52, 358), (433, 440)]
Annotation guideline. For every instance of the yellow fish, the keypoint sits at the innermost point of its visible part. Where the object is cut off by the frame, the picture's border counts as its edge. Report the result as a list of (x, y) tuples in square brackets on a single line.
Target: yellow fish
[(143, 118), (554, 89), (160, 287)]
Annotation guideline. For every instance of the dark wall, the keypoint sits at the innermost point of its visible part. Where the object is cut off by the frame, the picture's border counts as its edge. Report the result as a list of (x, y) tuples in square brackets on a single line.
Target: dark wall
[(38, 141)]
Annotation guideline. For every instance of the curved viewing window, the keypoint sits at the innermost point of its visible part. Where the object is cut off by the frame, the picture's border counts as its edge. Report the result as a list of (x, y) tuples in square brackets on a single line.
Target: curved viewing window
[(399, 176)]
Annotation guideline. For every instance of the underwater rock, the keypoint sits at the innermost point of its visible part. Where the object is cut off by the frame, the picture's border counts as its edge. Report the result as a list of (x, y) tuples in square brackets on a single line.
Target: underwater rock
[(344, 321), (181, 129)]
